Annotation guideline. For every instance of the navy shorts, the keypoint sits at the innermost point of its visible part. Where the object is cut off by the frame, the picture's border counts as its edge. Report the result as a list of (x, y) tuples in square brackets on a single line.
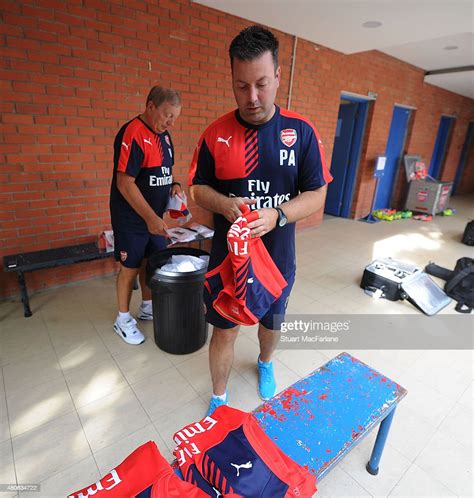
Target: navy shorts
[(132, 248), (271, 320)]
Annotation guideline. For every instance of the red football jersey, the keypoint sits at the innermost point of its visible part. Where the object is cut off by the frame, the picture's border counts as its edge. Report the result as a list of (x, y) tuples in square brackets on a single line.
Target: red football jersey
[(231, 452), (144, 473), (247, 282)]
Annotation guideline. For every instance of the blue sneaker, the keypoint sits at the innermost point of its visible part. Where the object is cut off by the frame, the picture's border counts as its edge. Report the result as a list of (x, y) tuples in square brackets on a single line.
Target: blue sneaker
[(266, 380), (215, 402)]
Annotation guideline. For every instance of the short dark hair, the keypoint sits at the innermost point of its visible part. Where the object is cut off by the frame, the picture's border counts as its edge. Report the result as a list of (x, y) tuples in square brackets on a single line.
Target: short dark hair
[(158, 95), (252, 42)]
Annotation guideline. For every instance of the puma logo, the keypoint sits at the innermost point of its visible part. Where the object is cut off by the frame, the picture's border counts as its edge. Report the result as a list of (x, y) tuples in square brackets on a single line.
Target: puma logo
[(147, 141), (247, 465), (125, 145), (223, 140), (218, 493)]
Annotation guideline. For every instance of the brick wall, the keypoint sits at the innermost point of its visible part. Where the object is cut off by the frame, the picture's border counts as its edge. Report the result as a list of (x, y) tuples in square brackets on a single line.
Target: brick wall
[(72, 72)]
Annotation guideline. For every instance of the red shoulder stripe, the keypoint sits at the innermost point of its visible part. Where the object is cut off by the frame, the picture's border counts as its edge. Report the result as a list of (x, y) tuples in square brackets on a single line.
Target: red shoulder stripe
[(207, 131)]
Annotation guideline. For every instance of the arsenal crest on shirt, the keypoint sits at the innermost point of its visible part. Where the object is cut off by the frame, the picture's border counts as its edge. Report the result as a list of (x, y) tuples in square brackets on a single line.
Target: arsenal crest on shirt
[(288, 136)]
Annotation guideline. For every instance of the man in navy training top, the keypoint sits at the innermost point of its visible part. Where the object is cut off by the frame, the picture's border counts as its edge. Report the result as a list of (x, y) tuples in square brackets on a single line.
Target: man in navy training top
[(271, 159), (141, 185)]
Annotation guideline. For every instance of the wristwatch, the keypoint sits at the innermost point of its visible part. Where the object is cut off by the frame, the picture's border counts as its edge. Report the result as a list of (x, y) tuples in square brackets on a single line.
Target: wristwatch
[(282, 219)]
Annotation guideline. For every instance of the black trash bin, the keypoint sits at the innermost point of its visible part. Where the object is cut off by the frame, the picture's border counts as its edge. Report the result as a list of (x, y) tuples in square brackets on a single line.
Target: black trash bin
[(178, 308)]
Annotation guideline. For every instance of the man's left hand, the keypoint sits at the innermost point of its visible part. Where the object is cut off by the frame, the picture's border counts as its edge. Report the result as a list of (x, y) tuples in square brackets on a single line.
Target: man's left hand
[(175, 189), (266, 222)]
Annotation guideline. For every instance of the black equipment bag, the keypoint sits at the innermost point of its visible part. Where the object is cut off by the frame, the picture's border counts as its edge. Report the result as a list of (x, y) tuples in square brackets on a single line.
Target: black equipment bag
[(397, 280), (459, 282), (468, 236), (386, 275)]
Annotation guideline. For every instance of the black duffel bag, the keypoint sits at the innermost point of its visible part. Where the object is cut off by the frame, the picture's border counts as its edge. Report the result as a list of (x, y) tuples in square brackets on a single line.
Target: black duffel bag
[(468, 235), (459, 282)]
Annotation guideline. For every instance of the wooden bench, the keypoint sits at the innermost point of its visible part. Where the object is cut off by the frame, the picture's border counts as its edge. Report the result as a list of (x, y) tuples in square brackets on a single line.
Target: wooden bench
[(322, 417), (49, 258)]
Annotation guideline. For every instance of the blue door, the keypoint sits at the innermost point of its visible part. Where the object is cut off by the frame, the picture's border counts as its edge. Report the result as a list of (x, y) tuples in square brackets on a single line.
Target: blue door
[(393, 153), (464, 155), (340, 157), (347, 148), (441, 146)]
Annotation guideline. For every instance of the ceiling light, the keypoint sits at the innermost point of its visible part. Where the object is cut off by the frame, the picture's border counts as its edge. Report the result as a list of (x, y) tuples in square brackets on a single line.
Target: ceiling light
[(451, 47), (372, 24)]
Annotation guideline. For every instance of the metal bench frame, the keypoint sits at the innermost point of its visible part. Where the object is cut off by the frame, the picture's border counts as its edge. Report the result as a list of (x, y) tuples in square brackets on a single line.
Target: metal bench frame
[(49, 258)]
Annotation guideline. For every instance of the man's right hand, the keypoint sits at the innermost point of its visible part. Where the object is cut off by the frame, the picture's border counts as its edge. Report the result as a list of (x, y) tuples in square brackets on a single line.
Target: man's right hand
[(231, 207), (156, 226)]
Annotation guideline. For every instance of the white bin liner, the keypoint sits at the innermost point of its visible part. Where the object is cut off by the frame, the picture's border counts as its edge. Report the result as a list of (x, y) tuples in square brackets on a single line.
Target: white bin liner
[(184, 263)]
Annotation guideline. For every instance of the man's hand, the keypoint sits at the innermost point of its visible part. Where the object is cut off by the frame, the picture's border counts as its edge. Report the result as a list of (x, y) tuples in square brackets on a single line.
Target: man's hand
[(266, 222), (156, 226), (231, 207), (175, 189)]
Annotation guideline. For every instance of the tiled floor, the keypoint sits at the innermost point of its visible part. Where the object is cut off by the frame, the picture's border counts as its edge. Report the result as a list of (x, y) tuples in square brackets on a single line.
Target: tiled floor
[(75, 399)]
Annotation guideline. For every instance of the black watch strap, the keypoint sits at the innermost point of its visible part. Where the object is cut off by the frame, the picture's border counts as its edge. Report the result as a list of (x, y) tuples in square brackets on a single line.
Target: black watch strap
[(282, 219)]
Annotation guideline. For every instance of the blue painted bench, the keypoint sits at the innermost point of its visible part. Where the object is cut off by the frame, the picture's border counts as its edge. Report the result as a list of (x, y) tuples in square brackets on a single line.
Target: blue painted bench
[(322, 417), (318, 420)]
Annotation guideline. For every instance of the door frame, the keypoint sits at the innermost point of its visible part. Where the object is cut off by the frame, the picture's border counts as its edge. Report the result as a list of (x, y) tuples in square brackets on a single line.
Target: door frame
[(403, 148), (463, 157), (439, 167), (356, 149)]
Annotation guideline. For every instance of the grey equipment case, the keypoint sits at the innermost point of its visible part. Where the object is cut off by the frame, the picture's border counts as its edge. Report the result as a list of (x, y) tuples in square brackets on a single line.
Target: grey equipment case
[(397, 280)]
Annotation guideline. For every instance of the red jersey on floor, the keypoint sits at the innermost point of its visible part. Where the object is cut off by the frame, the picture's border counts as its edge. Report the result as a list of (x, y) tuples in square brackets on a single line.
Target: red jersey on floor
[(231, 452), (143, 474)]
